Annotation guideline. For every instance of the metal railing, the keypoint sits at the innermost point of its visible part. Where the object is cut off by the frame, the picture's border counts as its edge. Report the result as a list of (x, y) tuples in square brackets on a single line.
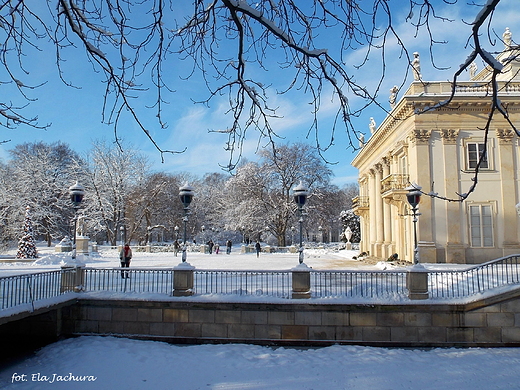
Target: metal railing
[(476, 280), (149, 280), (362, 284), (26, 289), (255, 283), (389, 284)]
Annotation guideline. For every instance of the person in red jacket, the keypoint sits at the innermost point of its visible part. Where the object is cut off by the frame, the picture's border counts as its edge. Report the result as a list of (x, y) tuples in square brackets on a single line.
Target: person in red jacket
[(125, 256)]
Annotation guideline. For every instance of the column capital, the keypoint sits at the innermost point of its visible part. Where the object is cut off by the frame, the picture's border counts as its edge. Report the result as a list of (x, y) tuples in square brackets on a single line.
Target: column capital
[(505, 136), (420, 136), (449, 136)]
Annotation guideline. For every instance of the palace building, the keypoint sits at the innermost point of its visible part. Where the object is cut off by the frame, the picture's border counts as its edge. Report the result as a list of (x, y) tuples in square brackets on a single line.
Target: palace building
[(438, 149)]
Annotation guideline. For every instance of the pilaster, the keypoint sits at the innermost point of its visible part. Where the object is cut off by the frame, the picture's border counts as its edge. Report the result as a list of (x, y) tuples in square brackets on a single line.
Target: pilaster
[(454, 250)]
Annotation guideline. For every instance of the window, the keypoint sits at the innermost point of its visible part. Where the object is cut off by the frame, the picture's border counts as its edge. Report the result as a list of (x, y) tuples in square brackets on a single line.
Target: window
[(474, 151), (481, 226)]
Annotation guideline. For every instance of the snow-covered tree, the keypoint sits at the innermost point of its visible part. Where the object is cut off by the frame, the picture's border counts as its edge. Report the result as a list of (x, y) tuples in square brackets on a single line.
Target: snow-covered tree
[(262, 192), (113, 173), (45, 172), (26, 245)]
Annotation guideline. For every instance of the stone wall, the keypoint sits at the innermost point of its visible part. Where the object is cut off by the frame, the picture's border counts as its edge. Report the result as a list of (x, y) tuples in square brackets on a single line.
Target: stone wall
[(490, 322)]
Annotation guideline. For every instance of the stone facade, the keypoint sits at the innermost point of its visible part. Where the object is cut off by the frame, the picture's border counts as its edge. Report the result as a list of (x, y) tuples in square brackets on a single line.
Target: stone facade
[(436, 149)]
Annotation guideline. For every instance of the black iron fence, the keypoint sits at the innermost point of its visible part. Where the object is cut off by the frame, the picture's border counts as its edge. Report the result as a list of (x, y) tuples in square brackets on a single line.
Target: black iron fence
[(379, 285)]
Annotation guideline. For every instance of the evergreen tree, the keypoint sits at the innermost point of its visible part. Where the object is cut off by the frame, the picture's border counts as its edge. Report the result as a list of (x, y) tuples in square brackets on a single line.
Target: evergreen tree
[(26, 245)]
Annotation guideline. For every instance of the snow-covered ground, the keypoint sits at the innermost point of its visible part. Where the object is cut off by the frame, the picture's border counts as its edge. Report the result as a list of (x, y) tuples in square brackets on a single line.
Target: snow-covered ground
[(112, 363), (116, 363)]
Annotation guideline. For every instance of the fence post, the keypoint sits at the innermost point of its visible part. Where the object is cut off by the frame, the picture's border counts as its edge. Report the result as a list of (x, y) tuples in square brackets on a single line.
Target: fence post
[(183, 280), (72, 278), (301, 282), (417, 282)]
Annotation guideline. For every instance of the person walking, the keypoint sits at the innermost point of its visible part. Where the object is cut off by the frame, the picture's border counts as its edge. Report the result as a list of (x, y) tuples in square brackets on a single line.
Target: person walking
[(125, 256), (228, 247), (258, 248), (217, 248), (210, 246)]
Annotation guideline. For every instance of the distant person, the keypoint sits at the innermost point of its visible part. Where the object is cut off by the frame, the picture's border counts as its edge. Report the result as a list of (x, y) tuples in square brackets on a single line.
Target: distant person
[(228, 246), (125, 256), (210, 246), (258, 248), (217, 248), (176, 247)]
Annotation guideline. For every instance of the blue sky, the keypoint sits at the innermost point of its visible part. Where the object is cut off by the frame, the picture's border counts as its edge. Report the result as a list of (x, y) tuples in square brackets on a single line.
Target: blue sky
[(75, 114)]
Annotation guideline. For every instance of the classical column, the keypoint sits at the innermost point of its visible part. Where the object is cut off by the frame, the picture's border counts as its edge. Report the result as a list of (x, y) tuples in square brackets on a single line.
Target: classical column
[(509, 196), (379, 221), (372, 219), (387, 215), (420, 172), (454, 251)]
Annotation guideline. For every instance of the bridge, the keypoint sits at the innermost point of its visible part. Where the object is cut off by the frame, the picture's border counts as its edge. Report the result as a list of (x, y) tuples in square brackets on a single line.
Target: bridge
[(478, 306)]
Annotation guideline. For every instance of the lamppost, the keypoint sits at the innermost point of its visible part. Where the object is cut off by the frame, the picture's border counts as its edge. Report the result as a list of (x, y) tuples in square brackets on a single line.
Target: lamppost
[(292, 234), (300, 193), (186, 196), (320, 230), (176, 228), (414, 197), (76, 193)]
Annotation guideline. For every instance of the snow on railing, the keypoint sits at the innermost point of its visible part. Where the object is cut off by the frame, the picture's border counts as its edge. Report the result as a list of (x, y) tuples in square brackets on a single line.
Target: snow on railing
[(24, 289), (359, 284), (380, 285), (476, 280), (257, 283)]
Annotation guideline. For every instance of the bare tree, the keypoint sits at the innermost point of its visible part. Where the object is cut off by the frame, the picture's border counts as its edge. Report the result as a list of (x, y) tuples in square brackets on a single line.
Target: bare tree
[(112, 176), (262, 193), (235, 45)]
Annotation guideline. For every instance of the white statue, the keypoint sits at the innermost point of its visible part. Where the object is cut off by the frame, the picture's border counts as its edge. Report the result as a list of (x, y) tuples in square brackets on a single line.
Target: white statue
[(416, 65), (361, 139), (393, 96), (372, 125), (80, 229), (506, 37), (473, 70)]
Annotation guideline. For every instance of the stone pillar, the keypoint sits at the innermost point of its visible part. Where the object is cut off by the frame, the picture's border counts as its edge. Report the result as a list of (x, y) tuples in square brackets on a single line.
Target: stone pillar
[(183, 280), (301, 282), (372, 213), (454, 251), (72, 278), (417, 282), (378, 200), (507, 211), (82, 245), (420, 157), (388, 248)]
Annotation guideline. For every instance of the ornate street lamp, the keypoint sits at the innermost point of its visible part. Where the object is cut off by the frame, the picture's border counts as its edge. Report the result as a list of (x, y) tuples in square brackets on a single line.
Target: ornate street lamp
[(76, 193), (186, 196), (414, 197), (300, 193)]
